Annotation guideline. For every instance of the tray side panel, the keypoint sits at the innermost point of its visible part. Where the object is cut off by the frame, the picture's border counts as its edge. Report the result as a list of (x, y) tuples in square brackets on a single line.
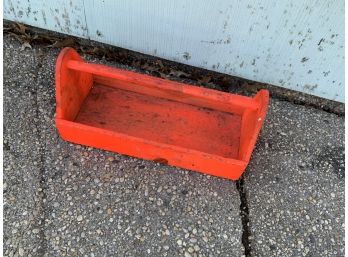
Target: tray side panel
[(136, 147), (71, 86), (252, 121), (168, 89)]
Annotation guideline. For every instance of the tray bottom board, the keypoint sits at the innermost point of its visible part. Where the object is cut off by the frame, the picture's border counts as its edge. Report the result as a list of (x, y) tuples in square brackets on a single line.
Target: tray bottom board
[(161, 120)]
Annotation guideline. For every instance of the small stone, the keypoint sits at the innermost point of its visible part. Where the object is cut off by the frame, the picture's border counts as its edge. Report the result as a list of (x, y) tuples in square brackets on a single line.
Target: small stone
[(166, 247), (187, 254), (36, 231), (190, 249), (110, 159), (79, 218), (109, 211), (196, 247), (21, 252), (193, 240), (194, 231), (179, 242)]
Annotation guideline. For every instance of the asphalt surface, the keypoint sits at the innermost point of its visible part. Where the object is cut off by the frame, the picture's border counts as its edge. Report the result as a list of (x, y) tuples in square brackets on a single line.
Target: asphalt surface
[(62, 199)]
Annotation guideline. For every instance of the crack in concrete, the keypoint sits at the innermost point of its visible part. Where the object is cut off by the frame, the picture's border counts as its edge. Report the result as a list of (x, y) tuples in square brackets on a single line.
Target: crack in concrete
[(244, 213), (43, 181)]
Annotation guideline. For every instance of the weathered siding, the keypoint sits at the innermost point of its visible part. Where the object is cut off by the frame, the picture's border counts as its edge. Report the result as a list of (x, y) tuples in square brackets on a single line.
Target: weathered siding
[(296, 44)]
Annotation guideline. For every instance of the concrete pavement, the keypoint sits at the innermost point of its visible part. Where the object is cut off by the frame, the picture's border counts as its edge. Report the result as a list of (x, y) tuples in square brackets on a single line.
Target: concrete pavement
[(62, 199)]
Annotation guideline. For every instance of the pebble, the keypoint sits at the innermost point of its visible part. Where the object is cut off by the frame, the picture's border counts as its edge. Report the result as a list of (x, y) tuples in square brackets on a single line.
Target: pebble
[(179, 242), (110, 159), (187, 254), (36, 231), (193, 240), (196, 247), (79, 218), (21, 252)]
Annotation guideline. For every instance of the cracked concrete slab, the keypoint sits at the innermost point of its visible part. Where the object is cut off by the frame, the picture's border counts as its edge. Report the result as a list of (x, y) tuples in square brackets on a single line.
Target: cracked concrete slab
[(68, 200), (295, 184), (63, 199)]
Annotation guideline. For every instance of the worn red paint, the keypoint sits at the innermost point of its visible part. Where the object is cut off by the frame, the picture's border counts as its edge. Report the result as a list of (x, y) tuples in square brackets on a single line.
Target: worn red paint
[(168, 122)]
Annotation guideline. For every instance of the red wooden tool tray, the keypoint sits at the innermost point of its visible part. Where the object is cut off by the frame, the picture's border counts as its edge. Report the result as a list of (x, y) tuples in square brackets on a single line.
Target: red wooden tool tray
[(155, 119)]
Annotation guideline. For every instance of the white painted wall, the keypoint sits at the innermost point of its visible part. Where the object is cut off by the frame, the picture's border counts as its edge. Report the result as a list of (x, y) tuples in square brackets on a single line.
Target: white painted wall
[(296, 44)]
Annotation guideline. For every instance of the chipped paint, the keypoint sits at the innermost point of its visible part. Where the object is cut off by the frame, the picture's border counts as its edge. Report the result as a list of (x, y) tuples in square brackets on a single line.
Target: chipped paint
[(296, 44)]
